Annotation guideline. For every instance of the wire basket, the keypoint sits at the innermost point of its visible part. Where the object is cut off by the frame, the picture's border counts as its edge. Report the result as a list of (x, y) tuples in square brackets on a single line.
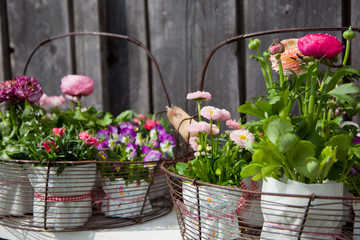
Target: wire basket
[(79, 196), (209, 211)]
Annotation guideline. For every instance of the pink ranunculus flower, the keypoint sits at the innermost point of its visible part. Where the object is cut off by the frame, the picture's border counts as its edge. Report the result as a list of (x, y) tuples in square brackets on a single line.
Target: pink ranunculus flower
[(199, 96), (288, 58), (320, 45), (77, 85), (51, 102)]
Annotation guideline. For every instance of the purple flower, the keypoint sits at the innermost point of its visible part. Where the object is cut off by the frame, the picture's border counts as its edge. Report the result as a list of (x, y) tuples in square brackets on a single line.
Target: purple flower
[(355, 170), (131, 150), (167, 137), (113, 129), (103, 133), (154, 143), (146, 149), (157, 131), (127, 135), (27, 88), (125, 125), (103, 145), (153, 155), (356, 140)]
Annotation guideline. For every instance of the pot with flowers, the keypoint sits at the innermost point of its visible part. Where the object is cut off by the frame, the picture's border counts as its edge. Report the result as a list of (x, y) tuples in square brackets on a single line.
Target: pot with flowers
[(20, 119), (310, 152), (218, 161), (131, 151), (62, 176)]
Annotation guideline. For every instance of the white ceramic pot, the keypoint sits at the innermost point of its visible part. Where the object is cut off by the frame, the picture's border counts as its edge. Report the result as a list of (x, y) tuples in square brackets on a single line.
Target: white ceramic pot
[(67, 202), (125, 200)]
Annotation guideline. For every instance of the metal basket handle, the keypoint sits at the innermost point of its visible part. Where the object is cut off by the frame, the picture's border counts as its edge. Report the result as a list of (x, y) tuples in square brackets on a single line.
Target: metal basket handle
[(105, 34), (255, 34)]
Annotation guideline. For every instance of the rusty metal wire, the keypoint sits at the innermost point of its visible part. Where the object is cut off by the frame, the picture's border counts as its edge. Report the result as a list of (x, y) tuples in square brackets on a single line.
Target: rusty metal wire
[(209, 211), (38, 198)]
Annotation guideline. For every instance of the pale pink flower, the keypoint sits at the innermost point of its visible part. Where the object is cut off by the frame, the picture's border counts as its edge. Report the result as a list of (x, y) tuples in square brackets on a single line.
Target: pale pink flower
[(209, 112), (50, 102), (233, 124), (241, 137), (196, 154), (199, 96), (225, 115), (203, 127), (77, 85), (193, 141), (288, 58)]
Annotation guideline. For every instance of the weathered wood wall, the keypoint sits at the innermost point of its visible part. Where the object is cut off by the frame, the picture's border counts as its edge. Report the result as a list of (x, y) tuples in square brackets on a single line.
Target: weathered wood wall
[(180, 35)]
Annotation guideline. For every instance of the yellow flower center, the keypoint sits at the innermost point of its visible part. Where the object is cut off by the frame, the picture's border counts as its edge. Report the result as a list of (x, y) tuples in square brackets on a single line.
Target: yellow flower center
[(243, 137), (211, 111)]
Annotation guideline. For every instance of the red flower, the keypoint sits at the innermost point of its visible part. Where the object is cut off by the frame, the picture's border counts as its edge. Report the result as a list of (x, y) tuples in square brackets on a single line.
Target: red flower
[(261, 134), (150, 124), (58, 131), (47, 145), (88, 139), (320, 45)]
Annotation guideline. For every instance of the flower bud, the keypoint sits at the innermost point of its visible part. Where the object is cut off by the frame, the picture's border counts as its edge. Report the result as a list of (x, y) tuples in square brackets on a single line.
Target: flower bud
[(276, 47), (349, 34), (254, 44), (266, 54)]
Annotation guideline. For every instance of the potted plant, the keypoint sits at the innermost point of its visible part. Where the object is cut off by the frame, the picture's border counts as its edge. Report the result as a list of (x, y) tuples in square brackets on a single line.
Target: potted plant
[(62, 181), (309, 152), (218, 159), (131, 150), (20, 118)]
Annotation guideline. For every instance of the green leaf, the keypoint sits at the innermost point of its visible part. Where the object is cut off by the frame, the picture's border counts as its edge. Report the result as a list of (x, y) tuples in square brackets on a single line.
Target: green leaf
[(342, 92), (275, 126), (251, 109), (300, 152), (201, 170), (338, 75), (309, 169), (342, 142), (105, 120), (286, 141), (124, 116), (327, 159)]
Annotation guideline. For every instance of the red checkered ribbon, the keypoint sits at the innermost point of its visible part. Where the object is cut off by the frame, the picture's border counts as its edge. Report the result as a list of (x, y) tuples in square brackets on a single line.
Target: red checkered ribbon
[(246, 195), (73, 198)]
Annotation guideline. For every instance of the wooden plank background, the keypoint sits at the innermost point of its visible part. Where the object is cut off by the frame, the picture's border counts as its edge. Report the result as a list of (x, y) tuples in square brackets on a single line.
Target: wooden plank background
[(180, 34)]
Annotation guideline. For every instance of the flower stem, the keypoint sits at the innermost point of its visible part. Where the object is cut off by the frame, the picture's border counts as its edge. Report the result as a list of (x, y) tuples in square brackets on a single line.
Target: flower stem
[(263, 70), (311, 105), (347, 52), (281, 70), (199, 109)]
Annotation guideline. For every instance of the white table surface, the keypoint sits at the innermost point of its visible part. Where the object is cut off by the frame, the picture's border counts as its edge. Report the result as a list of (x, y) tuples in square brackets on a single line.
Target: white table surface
[(163, 228)]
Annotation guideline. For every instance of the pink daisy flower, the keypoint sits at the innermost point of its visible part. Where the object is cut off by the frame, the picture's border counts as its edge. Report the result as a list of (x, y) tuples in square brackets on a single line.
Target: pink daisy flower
[(225, 115), (203, 127), (199, 96), (233, 124), (193, 141), (209, 112), (240, 137)]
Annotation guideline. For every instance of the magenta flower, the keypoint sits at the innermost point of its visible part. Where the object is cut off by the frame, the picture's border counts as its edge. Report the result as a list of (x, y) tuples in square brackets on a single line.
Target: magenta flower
[(356, 140), (320, 45), (355, 170), (77, 85), (233, 124), (209, 112), (7, 91), (241, 137), (145, 149), (51, 102), (199, 96), (27, 88)]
